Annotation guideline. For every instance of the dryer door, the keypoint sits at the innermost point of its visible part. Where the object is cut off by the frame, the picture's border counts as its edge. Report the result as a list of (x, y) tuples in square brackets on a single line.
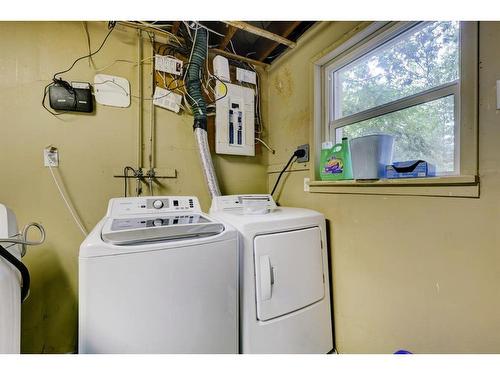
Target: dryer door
[(288, 271)]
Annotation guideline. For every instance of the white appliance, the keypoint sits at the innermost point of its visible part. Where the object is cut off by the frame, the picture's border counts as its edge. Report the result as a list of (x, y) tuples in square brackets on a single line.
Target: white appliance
[(284, 287), (10, 288), (158, 276)]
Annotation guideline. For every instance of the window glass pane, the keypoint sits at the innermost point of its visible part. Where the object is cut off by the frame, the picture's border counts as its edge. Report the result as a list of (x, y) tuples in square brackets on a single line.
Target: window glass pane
[(424, 57), (425, 131)]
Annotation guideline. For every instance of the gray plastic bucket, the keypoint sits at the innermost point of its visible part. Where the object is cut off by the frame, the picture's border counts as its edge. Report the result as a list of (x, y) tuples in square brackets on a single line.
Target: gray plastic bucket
[(370, 154)]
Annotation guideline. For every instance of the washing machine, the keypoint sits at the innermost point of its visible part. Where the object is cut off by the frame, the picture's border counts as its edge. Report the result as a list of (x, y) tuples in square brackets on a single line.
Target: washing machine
[(157, 275), (284, 283), (10, 287)]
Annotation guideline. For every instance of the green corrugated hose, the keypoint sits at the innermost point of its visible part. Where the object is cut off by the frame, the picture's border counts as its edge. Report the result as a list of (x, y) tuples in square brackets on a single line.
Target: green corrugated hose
[(196, 99)]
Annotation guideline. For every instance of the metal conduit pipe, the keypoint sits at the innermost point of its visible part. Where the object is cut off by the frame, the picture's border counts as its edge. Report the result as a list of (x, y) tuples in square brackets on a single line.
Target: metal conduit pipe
[(139, 104), (199, 107)]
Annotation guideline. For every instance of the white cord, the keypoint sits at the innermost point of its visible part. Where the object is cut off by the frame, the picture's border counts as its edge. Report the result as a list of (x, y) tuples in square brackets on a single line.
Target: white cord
[(232, 46), (265, 144), (160, 28), (188, 29), (73, 214), (22, 238), (125, 61), (190, 56)]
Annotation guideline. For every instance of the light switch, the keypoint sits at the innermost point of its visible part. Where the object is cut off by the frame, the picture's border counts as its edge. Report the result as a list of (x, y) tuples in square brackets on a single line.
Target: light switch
[(307, 180), (498, 94)]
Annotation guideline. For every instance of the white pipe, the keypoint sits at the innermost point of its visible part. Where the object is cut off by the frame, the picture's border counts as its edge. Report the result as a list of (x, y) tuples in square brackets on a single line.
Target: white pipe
[(139, 94), (152, 123)]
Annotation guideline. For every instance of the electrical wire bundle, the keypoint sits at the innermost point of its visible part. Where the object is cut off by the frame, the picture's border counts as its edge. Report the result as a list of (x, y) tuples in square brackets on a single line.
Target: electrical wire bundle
[(59, 81), (206, 78), (177, 49), (187, 33)]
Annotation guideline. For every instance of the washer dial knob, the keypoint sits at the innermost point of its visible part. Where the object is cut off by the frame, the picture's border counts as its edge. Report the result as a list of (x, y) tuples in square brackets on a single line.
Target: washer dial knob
[(157, 222), (157, 204)]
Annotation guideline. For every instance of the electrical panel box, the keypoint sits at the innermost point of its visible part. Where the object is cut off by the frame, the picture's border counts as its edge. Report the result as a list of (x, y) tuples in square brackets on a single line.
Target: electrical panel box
[(234, 120)]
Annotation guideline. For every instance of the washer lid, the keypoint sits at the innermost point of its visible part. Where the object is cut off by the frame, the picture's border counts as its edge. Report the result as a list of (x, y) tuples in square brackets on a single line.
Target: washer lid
[(135, 230)]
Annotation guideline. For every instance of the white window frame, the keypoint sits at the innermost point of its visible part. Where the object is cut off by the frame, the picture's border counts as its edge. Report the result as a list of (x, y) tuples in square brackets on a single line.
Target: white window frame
[(464, 90), (438, 92)]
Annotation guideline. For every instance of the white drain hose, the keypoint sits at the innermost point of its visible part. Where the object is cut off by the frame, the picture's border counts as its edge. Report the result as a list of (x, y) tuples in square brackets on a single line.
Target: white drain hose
[(206, 162)]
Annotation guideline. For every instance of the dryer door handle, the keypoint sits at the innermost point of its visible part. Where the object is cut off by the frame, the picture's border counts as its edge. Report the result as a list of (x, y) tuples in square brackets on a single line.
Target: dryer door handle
[(266, 278)]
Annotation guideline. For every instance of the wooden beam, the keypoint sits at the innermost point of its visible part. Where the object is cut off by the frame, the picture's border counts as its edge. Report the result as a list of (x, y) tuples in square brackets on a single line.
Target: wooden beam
[(284, 29), (175, 27), (230, 55), (135, 25), (230, 33), (155, 30), (213, 50), (261, 32)]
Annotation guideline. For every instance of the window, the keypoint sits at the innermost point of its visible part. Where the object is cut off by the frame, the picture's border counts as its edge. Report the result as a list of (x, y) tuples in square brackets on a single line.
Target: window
[(404, 82), (415, 80)]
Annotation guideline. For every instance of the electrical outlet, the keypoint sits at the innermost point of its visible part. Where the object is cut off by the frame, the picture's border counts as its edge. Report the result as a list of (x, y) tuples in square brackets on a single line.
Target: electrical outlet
[(306, 156), (50, 157), (306, 184)]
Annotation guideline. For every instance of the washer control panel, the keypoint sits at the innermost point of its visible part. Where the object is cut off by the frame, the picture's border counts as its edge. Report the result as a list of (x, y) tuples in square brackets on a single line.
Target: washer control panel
[(153, 205)]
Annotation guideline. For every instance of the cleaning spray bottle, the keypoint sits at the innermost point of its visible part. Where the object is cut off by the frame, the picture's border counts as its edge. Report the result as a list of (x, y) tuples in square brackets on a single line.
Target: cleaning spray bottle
[(335, 161)]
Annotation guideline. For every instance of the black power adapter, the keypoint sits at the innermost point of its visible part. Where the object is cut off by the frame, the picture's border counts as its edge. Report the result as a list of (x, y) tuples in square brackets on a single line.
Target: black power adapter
[(65, 97)]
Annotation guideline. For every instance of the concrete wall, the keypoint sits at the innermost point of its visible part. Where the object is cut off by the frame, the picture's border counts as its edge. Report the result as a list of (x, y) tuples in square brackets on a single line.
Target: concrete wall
[(91, 147), (420, 273)]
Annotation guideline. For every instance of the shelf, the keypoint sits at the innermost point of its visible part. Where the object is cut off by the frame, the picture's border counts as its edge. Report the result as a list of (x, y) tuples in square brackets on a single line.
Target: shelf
[(444, 186)]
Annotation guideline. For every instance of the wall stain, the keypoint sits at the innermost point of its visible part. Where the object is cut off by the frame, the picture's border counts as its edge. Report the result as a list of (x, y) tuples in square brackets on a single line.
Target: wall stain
[(283, 83)]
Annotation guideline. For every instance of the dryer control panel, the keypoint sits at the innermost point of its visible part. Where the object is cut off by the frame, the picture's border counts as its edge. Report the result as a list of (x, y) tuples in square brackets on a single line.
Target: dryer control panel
[(240, 202), (153, 205)]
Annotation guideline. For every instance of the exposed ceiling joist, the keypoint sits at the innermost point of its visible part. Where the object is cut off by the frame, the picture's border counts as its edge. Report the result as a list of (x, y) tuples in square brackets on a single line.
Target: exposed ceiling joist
[(230, 33), (261, 32), (260, 42), (175, 27), (284, 29), (237, 57), (152, 29)]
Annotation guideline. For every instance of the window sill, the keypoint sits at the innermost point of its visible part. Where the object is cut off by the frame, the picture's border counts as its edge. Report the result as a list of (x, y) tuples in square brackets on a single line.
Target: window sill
[(446, 186)]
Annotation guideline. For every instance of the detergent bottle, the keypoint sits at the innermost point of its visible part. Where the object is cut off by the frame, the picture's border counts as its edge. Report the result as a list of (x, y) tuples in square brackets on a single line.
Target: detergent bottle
[(335, 161)]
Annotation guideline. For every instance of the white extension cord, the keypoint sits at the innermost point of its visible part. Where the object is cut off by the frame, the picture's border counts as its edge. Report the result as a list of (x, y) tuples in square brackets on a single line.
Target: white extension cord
[(73, 213)]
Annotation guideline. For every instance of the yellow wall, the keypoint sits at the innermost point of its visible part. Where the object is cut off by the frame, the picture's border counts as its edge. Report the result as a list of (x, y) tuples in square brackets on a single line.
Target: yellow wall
[(91, 147), (421, 273)]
